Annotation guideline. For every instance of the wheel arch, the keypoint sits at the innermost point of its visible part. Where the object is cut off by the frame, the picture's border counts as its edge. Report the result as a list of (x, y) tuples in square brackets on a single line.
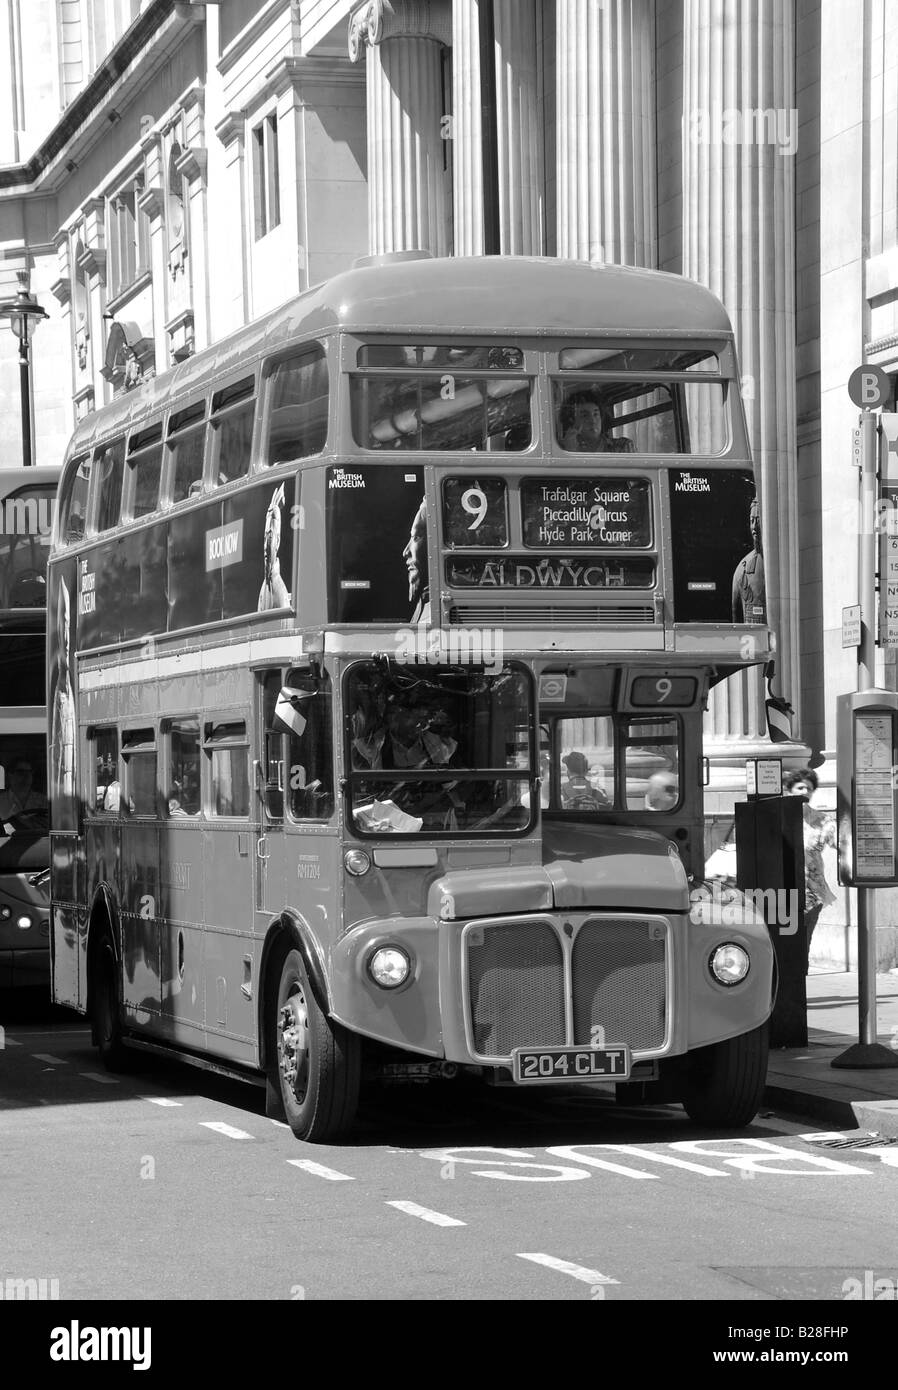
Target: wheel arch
[(288, 931)]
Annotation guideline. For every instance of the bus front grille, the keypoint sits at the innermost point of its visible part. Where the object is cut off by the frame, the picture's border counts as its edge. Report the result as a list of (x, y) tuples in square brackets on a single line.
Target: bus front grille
[(619, 982), (546, 615), (517, 984)]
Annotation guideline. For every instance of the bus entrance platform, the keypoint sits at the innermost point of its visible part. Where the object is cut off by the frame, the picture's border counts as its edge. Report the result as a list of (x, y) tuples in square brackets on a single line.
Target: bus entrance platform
[(801, 1080)]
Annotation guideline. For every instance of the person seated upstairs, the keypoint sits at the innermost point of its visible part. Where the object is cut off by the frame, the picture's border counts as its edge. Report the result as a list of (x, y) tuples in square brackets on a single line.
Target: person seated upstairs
[(577, 792), (591, 426)]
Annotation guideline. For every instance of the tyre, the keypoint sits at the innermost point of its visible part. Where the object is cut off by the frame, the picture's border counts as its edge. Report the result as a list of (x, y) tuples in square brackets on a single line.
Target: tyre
[(106, 1014), (315, 1063), (725, 1082)]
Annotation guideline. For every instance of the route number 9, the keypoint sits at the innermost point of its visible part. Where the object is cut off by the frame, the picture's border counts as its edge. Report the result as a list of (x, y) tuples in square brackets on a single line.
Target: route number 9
[(475, 504), (663, 688)]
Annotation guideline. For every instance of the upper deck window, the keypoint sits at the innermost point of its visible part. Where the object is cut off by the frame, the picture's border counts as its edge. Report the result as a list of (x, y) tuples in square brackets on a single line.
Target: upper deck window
[(607, 357), (145, 471), (443, 396), (73, 509), (25, 523), (186, 444), (616, 416), (298, 394), (233, 413), (109, 468)]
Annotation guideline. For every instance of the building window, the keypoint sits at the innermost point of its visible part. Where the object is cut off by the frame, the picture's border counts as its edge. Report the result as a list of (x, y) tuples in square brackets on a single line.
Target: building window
[(129, 240), (266, 192), (177, 213)]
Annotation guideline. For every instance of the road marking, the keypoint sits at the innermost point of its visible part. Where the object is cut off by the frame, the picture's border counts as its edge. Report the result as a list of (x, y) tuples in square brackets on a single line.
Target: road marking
[(586, 1276), (281, 1124), (228, 1130), (48, 1057), (98, 1076), (575, 1153), (11, 1042), (318, 1170), (161, 1100), (436, 1218)]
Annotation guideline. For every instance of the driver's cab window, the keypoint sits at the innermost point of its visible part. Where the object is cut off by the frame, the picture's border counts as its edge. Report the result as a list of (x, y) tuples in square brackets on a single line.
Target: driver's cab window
[(585, 767), (652, 764)]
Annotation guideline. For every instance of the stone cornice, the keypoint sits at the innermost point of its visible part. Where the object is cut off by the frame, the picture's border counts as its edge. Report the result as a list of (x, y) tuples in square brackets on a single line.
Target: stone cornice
[(378, 21), (192, 162), (231, 127), (301, 72)]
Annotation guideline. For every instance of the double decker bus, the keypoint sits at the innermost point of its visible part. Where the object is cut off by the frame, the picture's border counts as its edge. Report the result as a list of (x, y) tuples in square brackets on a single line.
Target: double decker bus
[(383, 634), (27, 499)]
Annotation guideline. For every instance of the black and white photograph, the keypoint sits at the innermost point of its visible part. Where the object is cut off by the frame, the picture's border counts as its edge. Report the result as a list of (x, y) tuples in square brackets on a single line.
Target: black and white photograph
[(449, 672)]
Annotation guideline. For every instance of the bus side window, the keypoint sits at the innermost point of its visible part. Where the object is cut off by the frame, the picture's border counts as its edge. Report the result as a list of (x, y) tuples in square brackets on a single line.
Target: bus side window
[(186, 445), (144, 472), (273, 747), (298, 393), (139, 757), (232, 431), (74, 502), (106, 786), (227, 751), (310, 750), (183, 793), (109, 466)]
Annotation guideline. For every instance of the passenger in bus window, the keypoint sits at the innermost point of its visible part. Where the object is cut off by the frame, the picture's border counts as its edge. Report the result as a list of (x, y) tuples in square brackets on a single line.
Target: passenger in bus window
[(661, 793), (589, 426), (109, 788), (175, 809), (577, 791), (415, 557)]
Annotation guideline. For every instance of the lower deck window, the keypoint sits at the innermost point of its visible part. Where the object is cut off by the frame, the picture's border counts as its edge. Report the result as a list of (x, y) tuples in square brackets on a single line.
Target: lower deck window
[(228, 753)]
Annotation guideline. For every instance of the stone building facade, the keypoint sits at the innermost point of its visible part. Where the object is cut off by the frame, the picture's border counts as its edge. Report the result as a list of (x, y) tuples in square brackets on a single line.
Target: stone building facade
[(171, 168)]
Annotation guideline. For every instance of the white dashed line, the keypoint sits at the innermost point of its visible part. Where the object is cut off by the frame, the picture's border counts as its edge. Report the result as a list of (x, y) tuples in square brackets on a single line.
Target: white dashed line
[(586, 1276), (161, 1100), (98, 1076), (281, 1124), (436, 1218), (318, 1170), (47, 1057), (228, 1130)]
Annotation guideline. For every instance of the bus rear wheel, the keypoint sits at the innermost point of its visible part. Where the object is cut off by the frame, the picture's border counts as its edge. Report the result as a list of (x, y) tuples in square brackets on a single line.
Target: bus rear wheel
[(725, 1082), (316, 1061), (106, 1012)]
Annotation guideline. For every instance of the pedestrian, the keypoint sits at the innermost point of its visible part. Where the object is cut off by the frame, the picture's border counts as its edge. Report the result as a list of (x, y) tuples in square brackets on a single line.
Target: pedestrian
[(819, 831)]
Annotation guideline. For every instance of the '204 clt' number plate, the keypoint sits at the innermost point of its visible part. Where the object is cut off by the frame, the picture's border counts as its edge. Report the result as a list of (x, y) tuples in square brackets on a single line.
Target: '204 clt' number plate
[(571, 1063)]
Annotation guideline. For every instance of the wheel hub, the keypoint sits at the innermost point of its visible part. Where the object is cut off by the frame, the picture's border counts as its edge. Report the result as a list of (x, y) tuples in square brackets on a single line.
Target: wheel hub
[(294, 1044)]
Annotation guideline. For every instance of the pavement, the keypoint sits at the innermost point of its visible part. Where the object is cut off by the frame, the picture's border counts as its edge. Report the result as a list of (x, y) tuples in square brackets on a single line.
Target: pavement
[(801, 1081)]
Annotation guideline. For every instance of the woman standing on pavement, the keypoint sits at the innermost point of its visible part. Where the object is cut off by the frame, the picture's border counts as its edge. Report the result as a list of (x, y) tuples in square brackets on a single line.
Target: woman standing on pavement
[(819, 831)]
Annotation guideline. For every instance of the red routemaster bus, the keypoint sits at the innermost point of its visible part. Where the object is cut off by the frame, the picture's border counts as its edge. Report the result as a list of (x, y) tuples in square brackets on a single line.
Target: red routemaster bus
[(27, 499), (382, 635)]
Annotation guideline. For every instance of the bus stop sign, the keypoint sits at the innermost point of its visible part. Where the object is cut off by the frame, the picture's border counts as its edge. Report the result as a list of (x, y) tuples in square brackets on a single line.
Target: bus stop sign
[(869, 387)]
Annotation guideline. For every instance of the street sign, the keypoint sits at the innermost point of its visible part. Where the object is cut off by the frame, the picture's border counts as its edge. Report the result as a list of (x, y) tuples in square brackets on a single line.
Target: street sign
[(851, 626), (888, 590), (764, 776), (869, 387)]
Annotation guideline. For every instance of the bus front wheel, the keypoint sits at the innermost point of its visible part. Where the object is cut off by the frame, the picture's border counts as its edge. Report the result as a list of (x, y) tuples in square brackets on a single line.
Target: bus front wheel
[(316, 1061), (106, 1012), (725, 1082)]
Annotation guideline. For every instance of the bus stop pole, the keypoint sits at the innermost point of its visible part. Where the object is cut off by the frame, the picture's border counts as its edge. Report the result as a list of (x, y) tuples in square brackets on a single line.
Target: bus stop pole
[(867, 1052)]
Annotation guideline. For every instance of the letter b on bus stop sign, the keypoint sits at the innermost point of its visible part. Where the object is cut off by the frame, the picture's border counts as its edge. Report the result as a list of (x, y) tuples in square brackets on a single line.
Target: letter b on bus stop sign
[(869, 387)]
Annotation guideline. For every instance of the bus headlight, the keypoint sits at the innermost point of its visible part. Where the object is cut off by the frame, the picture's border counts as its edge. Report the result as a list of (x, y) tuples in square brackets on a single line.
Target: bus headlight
[(356, 862), (389, 967), (729, 963), (5, 913), (24, 923)]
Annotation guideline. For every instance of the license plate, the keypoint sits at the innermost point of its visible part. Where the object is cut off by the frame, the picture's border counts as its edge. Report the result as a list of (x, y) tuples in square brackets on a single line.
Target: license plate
[(571, 1064)]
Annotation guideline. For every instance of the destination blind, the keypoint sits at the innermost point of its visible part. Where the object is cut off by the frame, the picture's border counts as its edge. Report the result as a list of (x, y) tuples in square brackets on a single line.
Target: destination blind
[(610, 513)]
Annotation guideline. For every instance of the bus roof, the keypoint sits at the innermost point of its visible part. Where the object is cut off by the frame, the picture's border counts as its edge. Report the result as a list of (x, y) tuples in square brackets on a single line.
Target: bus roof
[(415, 294)]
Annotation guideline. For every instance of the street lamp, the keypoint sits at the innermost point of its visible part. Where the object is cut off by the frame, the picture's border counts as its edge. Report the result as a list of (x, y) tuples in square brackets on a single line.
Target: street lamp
[(24, 314)]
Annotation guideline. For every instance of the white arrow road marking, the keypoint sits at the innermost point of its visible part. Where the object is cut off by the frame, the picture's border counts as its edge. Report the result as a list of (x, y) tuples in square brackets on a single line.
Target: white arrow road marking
[(436, 1218), (228, 1130), (318, 1170), (586, 1276)]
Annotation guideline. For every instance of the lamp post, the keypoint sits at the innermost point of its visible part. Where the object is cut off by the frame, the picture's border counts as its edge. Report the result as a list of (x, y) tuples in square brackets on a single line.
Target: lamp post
[(24, 314)]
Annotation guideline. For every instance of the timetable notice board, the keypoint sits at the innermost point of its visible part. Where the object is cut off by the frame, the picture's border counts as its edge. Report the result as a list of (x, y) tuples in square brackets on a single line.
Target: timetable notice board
[(874, 796)]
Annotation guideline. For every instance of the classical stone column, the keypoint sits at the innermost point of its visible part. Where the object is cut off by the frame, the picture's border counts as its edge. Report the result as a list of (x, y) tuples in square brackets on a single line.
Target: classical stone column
[(739, 132), (466, 129), (605, 110), (407, 183), (519, 129)]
